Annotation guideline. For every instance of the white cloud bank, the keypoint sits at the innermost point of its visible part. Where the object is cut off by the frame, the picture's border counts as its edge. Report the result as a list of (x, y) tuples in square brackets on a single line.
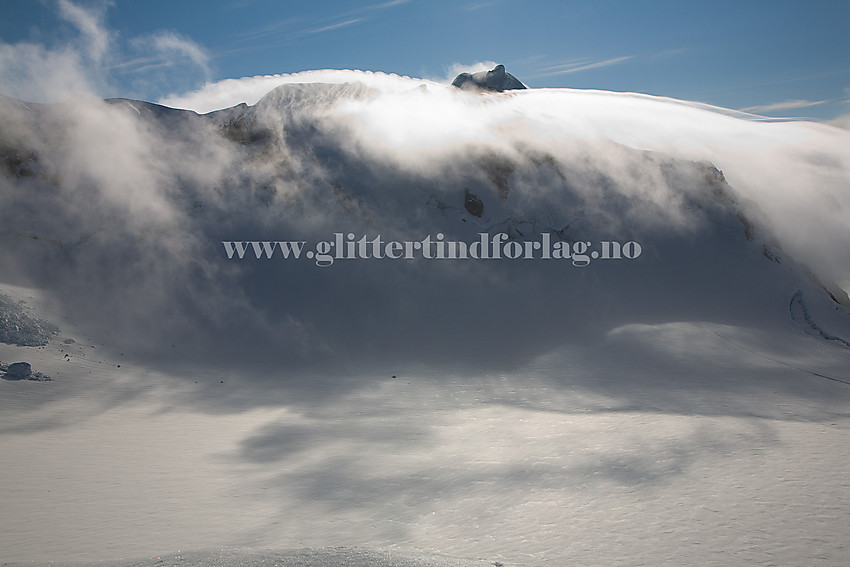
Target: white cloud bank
[(152, 194), (795, 171)]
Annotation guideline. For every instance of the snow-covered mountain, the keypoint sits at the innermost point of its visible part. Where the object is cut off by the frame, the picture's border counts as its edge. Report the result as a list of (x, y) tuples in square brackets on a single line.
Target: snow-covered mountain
[(658, 258), (128, 205)]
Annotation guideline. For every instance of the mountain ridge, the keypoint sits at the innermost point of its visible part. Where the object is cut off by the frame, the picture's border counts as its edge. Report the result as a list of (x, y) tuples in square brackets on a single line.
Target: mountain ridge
[(303, 164)]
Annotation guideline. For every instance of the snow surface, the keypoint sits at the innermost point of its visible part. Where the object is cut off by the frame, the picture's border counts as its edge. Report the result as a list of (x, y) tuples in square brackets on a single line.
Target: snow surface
[(687, 407), (325, 557)]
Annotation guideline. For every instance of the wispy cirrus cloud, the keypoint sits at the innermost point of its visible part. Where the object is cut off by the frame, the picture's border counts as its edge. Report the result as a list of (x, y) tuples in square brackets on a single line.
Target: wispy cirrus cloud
[(162, 51), (352, 17), (579, 65), (336, 26), (785, 105), (383, 5), (475, 6), (294, 27), (279, 26)]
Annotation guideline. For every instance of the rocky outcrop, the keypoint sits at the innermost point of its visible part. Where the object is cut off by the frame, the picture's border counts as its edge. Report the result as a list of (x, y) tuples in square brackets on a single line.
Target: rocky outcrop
[(497, 80), (19, 370), (18, 327), (472, 203), (22, 371)]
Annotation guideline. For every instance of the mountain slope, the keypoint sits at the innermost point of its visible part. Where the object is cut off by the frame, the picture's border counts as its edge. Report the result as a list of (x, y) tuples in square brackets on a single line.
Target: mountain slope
[(156, 191)]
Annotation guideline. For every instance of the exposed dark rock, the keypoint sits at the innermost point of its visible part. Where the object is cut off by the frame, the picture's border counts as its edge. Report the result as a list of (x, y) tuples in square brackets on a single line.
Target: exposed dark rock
[(497, 80), (19, 371), (473, 205), (22, 371)]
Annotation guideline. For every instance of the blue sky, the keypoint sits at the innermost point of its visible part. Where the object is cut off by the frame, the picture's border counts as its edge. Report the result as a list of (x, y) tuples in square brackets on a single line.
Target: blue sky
[(773, 57)]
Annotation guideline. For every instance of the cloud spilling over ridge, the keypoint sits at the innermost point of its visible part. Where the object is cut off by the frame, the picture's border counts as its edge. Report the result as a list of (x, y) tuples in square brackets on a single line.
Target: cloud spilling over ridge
[(249, 90), (120, 208), (132, 202), (795, 171)]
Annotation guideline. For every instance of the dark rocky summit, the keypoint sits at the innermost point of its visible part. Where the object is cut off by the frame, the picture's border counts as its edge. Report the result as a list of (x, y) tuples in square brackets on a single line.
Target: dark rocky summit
[(497, 80)]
